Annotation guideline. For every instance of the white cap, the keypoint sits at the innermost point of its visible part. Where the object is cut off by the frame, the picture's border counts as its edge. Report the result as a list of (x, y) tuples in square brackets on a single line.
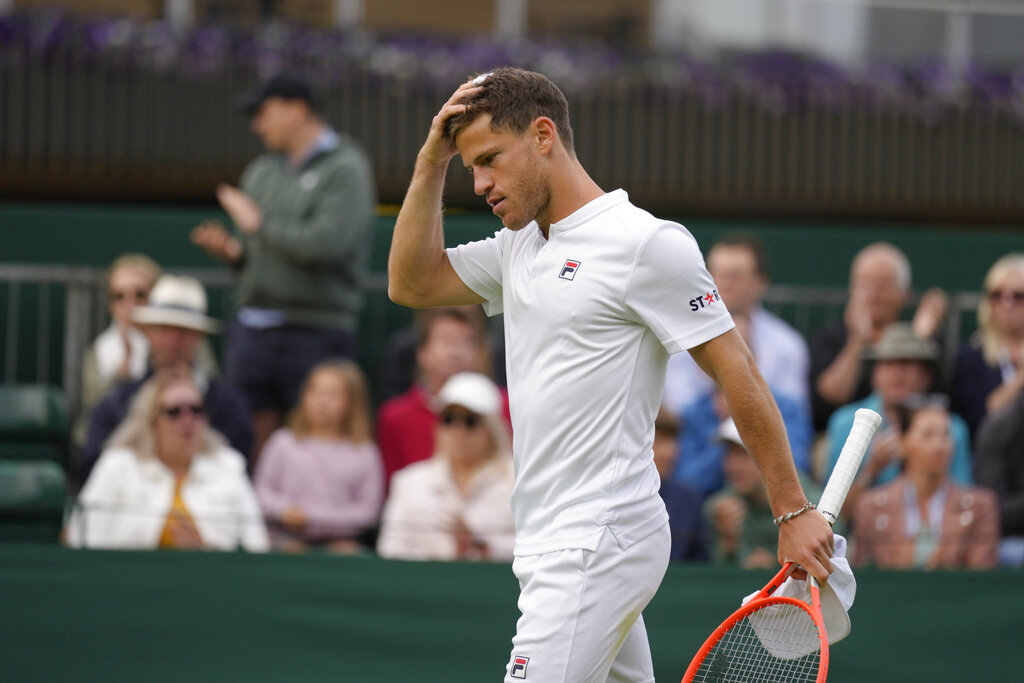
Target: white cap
[(178, 301), (472, 391), (837, 596), (727, 432)]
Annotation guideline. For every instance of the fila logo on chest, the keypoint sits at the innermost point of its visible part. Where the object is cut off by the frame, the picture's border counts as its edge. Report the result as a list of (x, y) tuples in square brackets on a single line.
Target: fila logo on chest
[(569, 269), (519, 666)]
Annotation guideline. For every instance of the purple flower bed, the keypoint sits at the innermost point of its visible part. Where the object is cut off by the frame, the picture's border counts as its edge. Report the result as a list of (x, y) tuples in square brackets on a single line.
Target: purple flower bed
[(778, 81)]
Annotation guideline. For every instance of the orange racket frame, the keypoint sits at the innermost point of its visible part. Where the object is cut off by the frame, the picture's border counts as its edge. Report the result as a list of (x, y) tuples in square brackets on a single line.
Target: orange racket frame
[(865, 424), (761, 600)]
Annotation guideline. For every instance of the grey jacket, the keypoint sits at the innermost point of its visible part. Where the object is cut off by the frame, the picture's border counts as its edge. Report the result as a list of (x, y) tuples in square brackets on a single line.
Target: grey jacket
[(308, 259)]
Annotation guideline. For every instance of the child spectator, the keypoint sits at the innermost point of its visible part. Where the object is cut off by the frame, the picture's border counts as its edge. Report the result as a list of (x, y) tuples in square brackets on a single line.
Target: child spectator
[(319, 480)]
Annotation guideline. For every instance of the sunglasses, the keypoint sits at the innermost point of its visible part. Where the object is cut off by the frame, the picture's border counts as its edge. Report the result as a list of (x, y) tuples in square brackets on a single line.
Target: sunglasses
[(468, 421), (138, 295), (1014, 297), (175, 412)]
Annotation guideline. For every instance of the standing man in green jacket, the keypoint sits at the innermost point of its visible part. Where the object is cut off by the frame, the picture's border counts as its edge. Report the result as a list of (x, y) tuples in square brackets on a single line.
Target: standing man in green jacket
[(303, 212)]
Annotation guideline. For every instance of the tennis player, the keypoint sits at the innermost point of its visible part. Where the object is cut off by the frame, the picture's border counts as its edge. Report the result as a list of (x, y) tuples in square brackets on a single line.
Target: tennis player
[(596, 294)]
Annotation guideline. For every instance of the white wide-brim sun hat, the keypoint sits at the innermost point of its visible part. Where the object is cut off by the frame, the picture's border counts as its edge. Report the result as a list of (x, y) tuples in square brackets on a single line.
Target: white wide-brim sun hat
[(177, 301)]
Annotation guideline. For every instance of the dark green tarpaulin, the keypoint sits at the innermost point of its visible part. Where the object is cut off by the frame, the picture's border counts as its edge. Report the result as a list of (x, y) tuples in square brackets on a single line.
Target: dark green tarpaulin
[(113, 616)]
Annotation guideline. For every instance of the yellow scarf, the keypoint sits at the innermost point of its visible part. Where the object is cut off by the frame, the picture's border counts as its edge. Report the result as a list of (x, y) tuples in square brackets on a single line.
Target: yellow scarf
[(179, 528)]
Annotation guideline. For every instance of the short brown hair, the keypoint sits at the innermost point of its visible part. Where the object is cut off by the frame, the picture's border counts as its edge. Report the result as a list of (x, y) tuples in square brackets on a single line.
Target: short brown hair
[(752, 243), (471, 316), (515, 98)]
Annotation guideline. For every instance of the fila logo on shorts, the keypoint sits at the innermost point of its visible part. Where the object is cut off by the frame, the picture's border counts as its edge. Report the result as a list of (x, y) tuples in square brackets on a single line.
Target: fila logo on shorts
[(519, 663), (569, 269)]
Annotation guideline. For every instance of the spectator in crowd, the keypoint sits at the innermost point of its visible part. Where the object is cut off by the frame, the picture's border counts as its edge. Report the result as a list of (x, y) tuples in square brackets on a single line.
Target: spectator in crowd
[(449, 343), (320, 480), (999, 466), (904, 366), (398, 369), (700, 466), (457, 504), (175, 324), (683, 503), (741, 519), (989, 369), (167, 480), (923, 519), (879, 289), (120, 352), (738, 263), (303, 216)]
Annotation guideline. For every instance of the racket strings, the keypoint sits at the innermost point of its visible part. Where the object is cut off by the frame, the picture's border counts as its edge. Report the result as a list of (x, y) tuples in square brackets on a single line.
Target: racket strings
[(775, 644)]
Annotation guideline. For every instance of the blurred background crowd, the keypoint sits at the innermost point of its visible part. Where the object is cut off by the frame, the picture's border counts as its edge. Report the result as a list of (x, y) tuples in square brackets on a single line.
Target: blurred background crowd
[(196, 198)]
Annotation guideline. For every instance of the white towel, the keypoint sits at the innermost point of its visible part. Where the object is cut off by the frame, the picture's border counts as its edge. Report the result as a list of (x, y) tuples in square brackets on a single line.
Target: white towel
[(836, 596)]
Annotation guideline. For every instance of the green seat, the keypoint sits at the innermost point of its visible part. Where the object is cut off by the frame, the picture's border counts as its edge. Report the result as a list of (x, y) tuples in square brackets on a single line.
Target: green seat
[(32, 450), (34, 423), (32, 412), (32, 498)]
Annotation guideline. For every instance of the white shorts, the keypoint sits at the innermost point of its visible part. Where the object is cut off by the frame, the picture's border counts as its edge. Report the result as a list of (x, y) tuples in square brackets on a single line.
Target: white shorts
[(581, 610)]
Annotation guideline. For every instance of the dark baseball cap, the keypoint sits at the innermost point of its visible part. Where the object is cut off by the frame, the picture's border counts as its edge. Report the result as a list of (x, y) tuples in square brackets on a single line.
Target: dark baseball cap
[(287, 86)]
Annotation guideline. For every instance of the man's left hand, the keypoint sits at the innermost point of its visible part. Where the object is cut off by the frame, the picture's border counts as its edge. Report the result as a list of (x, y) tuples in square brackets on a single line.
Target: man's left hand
[(808, 541), (243, 210)]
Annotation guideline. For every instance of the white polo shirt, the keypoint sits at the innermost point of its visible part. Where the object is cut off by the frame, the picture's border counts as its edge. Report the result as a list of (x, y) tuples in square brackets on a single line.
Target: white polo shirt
[(591, 316)]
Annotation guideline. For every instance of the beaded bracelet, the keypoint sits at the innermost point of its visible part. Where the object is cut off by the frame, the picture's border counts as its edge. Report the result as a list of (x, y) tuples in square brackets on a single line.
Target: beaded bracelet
[(790, 515)]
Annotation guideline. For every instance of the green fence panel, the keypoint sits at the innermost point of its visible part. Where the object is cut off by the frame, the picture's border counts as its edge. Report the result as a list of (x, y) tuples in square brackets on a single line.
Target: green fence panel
[(182, 616)]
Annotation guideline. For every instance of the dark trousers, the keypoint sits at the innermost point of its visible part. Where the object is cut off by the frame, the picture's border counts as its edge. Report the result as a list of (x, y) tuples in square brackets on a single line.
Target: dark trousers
[(269, 365)]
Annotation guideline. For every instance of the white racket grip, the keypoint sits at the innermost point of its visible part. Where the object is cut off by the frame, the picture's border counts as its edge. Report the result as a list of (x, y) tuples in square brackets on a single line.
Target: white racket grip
[(865, 423)]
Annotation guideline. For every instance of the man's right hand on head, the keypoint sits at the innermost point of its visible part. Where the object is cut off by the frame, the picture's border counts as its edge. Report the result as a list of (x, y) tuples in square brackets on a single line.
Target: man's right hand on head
[(439, 148)]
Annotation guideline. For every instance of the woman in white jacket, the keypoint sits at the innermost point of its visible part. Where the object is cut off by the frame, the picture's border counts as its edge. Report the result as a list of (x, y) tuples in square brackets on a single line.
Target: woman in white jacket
[(457, 504), (167, 480)]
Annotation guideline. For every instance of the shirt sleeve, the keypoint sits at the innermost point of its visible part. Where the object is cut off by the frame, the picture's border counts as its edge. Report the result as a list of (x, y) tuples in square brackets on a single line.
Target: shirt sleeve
[(671, 292), (479, 265)]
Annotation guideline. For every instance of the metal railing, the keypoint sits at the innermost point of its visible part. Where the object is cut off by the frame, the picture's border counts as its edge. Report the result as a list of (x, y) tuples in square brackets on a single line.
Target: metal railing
[(52, 313)]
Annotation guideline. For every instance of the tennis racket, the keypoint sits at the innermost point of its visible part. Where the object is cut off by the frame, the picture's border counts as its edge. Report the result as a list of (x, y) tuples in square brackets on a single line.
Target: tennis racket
[(782, 639)]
